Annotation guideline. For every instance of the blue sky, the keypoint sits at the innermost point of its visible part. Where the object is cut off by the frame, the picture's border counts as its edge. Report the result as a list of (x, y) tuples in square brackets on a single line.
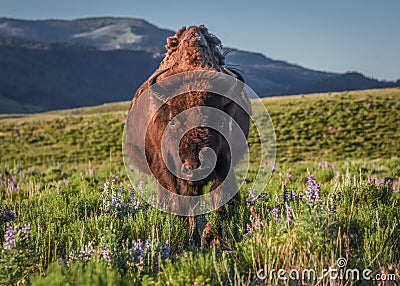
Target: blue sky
[(335, 36)]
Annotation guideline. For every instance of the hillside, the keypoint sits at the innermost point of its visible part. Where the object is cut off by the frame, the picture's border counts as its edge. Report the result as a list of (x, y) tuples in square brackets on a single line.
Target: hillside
[(37, 76), (60, 64), (334, 126), (105, 33)]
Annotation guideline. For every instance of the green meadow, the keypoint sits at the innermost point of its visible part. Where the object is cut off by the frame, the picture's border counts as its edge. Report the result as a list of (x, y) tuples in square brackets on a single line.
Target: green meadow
[(70, 216)]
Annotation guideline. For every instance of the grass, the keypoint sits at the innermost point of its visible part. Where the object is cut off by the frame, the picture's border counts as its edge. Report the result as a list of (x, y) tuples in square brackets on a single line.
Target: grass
[(62, 173)]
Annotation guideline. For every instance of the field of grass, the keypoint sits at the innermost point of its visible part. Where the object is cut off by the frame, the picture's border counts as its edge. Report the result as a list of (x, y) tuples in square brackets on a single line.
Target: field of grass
[(69, 216)]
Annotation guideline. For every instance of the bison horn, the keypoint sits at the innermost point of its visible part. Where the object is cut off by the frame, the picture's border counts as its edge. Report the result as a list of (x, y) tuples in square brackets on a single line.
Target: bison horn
[(235, 73), (157, 90), (239, 85)]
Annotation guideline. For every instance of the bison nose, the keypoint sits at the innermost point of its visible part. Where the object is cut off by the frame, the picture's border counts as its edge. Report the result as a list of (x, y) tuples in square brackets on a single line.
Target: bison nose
[(188, 167)]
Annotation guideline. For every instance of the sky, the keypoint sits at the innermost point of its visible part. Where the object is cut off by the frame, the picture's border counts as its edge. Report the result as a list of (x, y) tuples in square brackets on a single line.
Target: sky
[(334, 36)]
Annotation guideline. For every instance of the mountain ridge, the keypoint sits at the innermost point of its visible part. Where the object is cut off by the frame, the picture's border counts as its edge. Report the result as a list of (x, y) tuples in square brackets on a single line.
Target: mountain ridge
[(104, 59)]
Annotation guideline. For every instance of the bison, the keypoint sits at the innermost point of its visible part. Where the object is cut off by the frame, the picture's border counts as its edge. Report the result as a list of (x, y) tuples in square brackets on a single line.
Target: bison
[(203, 155)]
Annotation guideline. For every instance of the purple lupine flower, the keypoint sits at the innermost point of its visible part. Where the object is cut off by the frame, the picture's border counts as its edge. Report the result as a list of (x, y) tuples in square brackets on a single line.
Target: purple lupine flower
[(147, 244), (6, 215), (167, 250), (131, 196), (11, 187), (289, 214), (317, 192), (275, 212), (139, 245), (114, 200), (86, 252), (285, 195), (9, 237), (71, 255), (313, 189), (310, 195), (136, 205), (121, 190), (249, 228), (292, 195), (25, 232), (379, 182), (106, 255)]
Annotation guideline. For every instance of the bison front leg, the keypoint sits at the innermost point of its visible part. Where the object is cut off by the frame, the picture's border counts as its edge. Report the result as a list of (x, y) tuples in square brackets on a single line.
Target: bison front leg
[(213, 232)]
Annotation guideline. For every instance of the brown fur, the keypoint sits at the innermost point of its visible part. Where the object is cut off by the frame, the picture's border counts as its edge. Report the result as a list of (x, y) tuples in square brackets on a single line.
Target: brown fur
[(192, 48)]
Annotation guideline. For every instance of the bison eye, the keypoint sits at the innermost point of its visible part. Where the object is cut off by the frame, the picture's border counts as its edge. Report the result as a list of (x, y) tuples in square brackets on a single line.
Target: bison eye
[(172, 122)]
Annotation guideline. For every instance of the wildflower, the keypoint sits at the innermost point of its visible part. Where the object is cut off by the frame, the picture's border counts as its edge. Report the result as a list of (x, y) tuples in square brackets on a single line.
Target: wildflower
[(147, 244), (121, 190), (131, 196), (9, 237), (379, 182), (313, 190), (114, 200), (285, 195), (25, 232), (138, 245), (86, 252), (275, 212), (6, 215), (136, 205), (289, 214), (167, 250), (317, 192), (106, 255), (11, 187), (106, 191), (249, 228)]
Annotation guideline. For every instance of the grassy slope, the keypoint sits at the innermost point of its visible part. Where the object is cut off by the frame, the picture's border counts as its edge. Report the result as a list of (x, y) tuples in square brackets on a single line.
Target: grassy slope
[(82, 146), (335, 126)]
